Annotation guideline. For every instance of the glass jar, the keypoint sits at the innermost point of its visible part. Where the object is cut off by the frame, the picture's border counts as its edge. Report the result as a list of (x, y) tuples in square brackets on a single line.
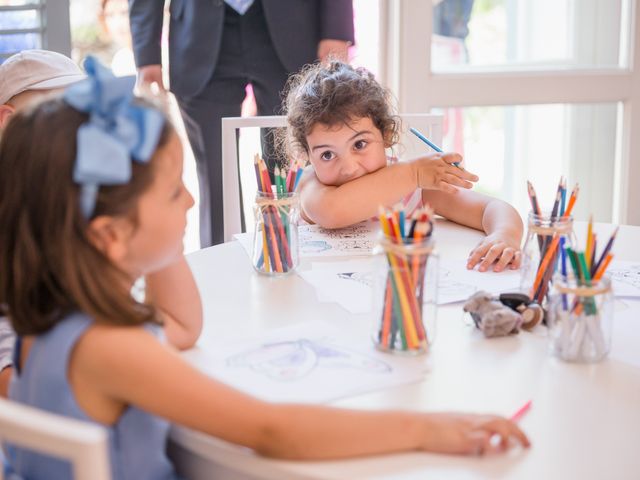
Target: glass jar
[(405, 296), (580, 320), (275, 243), (544, 254)]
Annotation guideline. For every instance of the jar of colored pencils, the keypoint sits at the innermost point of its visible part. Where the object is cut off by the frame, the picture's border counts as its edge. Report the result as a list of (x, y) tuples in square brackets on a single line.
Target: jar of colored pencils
[(580, 318), (275, 245), (405, 295), (544, 253)]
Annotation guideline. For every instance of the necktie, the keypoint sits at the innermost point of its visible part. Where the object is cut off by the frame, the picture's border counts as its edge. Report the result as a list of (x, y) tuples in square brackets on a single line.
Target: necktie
[(240, 6)]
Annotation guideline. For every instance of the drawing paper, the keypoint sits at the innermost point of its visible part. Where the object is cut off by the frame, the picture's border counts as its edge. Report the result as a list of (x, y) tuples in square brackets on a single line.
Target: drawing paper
[(310, 363), (315, 241)]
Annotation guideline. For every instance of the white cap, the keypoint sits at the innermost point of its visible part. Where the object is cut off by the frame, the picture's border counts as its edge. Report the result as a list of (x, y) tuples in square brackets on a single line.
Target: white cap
[(36, 70)]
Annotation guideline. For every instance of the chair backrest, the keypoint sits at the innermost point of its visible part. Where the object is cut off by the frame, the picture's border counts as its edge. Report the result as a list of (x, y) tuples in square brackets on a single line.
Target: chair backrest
[(83, 444), (428, 124)]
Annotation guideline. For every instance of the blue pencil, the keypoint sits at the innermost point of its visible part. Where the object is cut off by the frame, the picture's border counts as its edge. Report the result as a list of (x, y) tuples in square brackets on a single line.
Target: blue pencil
[(563, 267), (298, 177), (430, 143)]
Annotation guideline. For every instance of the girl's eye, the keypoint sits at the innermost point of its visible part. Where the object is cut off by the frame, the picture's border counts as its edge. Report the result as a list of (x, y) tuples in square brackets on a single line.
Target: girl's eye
[(177, 192), (360, 144), (328, 155)]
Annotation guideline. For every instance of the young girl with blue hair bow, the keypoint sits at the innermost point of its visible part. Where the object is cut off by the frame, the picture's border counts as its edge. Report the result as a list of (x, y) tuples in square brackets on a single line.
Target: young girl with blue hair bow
[(92, 203)]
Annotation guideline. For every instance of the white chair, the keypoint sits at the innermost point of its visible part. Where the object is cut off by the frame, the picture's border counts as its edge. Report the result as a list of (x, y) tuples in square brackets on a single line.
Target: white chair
[(83, 444), (410, 146)]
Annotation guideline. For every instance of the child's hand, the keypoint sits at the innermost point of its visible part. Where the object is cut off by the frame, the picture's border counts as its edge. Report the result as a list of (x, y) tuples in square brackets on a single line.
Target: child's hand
[(496, 247), (435, 172), (471, 434)]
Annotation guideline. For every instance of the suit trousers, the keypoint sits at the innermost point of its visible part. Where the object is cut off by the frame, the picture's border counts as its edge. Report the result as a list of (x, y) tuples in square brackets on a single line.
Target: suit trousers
[(247, 55)]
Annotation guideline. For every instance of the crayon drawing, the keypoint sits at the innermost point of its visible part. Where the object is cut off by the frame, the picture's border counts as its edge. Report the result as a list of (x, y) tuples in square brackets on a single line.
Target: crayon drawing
[(293, 360), (456, 283), (625, 278), (363, 278), (358, 239), (310, 362), (451, 290), (629, 276)]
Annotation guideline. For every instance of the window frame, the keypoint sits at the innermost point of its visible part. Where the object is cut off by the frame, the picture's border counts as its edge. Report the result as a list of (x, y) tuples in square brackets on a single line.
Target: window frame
[(54, 29), (406, 29)]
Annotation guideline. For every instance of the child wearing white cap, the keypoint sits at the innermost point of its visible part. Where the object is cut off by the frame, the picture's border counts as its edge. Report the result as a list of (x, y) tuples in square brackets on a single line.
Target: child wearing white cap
[(24, 77), (30, 74)]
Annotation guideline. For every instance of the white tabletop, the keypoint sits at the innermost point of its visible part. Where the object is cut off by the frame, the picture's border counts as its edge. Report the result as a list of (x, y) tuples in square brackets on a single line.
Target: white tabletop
[(585, 419)]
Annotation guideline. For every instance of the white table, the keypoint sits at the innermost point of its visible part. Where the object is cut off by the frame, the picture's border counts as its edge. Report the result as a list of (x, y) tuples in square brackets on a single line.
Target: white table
[(584, 423)]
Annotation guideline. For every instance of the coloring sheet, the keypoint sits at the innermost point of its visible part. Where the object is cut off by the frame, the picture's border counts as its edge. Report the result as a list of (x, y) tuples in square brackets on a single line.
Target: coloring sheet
[(359, 239), (456, 283), (626, 332), (310, 363), (348, 283), (315, 241), (625, 278)]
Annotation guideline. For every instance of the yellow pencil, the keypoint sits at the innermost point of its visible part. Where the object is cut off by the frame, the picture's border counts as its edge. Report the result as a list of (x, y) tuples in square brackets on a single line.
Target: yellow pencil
[(587, 250)]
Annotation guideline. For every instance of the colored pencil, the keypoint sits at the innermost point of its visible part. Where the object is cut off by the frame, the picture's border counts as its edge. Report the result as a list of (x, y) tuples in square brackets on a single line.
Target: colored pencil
[(404, 286), (520, 412), (430, 143), (607, 248), (556, 203), (533, 198), (276, 252)]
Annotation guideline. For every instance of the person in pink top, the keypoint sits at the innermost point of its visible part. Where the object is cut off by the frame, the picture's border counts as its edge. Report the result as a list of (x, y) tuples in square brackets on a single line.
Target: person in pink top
[(340, 120)]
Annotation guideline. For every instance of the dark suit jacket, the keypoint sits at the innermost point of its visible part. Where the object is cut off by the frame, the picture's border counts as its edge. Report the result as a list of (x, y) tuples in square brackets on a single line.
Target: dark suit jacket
[(195, 34)]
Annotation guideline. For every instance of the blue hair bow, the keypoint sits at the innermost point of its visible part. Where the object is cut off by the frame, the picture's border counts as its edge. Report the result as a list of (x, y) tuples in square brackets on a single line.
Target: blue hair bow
[(117, 131)]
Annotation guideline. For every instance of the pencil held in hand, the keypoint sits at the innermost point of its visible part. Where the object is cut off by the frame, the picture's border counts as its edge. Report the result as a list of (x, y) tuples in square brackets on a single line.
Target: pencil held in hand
[(432, 145)]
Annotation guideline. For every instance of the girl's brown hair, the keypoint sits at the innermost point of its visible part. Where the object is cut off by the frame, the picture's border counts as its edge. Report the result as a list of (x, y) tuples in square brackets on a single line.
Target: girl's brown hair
[(335, 94), (48, 266)]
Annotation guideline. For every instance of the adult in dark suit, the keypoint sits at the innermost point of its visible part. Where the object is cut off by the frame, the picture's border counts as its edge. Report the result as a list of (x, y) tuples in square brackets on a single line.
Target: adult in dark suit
[(214, 52)]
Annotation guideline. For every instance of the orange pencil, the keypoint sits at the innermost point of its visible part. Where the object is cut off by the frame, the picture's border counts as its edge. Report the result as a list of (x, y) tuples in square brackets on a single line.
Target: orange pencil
[(545, 263), (603, 267), (572, 200)]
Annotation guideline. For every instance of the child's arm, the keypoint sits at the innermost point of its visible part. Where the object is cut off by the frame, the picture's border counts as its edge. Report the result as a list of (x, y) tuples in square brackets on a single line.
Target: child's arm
[(359, 199), (143, 373), (5, 376), (499, 220), (7, 339), (173, 290)]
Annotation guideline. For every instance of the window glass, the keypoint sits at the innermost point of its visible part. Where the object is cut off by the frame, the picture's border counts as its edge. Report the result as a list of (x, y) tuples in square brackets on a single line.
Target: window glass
[(506, 146), (484, 34), (11, 20)]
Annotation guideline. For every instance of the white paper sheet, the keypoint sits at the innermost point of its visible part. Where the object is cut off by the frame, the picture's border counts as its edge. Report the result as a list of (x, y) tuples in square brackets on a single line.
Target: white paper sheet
[(350, 284), (625, 278), (456, 283), (347, 283), (625, 341), (310, 363), (316, 241)]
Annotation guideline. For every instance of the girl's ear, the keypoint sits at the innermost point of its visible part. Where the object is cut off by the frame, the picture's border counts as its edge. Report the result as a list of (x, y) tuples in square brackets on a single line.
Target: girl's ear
[(387, 138), (6, 111), (111, 236)]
